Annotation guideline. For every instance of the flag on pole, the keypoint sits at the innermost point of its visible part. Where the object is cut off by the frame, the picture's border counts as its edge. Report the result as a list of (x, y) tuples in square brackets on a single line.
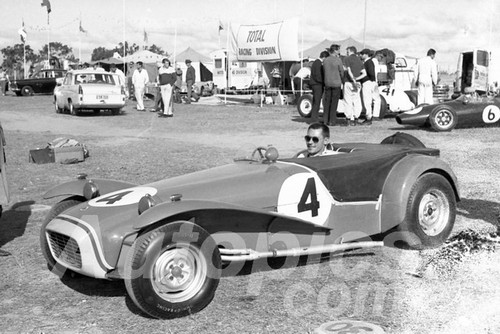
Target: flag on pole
[(145, 37), (46, 3), (22, 33), (221, 27), (81, 28)]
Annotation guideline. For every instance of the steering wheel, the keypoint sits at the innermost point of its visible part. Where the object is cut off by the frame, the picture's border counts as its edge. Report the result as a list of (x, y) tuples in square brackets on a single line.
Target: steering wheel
[(262, 153)]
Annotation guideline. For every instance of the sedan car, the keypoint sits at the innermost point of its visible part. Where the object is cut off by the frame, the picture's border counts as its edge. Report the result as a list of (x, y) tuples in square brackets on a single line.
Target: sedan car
[(42, 82), (467, 110), (168, 240), (93, 90)]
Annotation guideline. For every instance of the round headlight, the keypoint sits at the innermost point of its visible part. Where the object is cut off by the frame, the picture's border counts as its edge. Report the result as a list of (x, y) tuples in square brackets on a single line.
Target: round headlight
[(146, 202), (90, 190)]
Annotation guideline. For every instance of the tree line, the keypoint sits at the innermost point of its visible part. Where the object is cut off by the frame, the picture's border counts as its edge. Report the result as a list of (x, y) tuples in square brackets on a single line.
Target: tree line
[(13, 56)]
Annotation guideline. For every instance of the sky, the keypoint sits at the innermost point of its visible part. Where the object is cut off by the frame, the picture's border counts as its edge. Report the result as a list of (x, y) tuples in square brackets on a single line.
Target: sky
[(406, 26)]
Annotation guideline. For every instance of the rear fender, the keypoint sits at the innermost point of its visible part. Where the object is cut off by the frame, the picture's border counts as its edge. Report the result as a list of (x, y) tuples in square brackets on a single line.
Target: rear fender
[(399, 182), (75, 187)]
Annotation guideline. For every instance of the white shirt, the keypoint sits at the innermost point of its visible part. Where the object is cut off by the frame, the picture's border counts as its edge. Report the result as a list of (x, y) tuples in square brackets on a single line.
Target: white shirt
[(140, 79), (121, 76), (304, 72), (427, 71)]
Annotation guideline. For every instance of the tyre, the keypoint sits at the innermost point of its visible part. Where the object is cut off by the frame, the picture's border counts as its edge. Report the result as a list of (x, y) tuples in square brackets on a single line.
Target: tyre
[(430, 212), (383, 107), (54, 211), (443, 118), (401, 138), (304, 105), (71, 109), (27, 91), (115, 111), (56, 107), (173, 271)]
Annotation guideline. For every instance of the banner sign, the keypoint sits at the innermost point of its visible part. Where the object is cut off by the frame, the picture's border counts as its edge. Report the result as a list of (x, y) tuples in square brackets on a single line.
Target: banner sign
[(266, 42)]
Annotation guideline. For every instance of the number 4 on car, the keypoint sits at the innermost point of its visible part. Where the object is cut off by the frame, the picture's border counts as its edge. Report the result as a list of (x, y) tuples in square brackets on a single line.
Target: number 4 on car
[(170, 240)]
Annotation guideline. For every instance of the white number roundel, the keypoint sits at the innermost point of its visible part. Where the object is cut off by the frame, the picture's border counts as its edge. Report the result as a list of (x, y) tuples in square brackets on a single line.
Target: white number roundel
[(491, 114), (304, 196), (122, 197)]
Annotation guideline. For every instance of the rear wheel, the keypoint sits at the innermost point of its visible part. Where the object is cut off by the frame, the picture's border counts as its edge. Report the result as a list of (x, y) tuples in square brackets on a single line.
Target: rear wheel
[(71, 109), (57, 209), (173, 271), (430, 212), (443, 118), (27, 91), (304, 105), (383, 107), (115, 111)]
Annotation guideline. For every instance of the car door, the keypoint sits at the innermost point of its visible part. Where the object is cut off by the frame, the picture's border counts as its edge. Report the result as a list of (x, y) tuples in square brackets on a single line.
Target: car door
[(481, 62)]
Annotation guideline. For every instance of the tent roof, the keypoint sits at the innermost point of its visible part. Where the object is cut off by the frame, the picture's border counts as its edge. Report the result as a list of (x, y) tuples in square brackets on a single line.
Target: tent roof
[(313, 52), (145, 56), (193, 55), (110, 60)]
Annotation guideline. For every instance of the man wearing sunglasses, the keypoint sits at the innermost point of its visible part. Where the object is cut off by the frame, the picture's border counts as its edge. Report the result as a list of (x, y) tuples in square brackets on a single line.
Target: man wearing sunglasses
[(317, 139)]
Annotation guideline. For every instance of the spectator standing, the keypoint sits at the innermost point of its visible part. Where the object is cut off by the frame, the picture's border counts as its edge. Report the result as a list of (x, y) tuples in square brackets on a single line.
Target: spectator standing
[(158, 106), (130, 71), (190, 80), (276, 75), (302, 75), (317, 82), (333, 75), (121, 75), (4, 79), (294, 68), (353, 66), (369, 86), (166, 78), (178, 85), (427, 77), (139, 79)]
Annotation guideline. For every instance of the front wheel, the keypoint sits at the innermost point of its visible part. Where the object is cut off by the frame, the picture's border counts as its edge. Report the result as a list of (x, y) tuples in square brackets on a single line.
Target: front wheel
[(430, 212), (57, 109), (304, 105), (173, 271), (57, 209), (443, 118), (71, 109)]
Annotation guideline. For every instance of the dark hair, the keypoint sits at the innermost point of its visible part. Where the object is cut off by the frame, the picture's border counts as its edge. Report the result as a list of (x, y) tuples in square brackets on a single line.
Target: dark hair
[(320, 126), (352, 49), (334, 47), (431, 52), (324, 54), (139, 63)]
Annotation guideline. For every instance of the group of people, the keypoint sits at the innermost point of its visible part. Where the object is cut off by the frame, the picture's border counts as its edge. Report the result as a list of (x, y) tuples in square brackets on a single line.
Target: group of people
[(354, 78), (169, 82)]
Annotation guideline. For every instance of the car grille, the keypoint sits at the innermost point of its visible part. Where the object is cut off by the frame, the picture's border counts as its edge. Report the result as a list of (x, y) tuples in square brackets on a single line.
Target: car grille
[(65, 249)]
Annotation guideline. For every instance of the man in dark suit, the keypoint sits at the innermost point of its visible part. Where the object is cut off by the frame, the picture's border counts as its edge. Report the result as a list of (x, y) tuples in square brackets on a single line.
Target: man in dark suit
[(317, 83)]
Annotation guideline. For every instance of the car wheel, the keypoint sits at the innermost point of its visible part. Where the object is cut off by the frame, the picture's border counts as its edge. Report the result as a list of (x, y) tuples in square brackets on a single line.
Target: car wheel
[(383, 107), (443, 118), (430, 212), (56, 107), (401, 138), (115, 111), (71, 109), (304, 105), (44, 245), (27, 91), (173, 271)]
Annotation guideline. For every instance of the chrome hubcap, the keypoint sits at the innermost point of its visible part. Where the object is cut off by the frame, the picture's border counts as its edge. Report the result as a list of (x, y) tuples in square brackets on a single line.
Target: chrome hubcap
[(179, 273), (434, 212)]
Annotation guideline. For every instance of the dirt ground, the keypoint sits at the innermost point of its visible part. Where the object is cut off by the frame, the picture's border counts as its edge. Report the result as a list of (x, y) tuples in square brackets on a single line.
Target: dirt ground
[(457, 293)]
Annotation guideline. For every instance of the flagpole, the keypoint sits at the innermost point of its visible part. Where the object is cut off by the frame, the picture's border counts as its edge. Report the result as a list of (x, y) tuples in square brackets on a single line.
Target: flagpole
[(227, 69), (364, 26), (80, 40)]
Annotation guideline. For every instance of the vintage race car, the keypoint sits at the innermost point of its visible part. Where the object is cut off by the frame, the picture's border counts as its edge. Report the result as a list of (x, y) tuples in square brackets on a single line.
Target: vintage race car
[(467, 110), (92, 90), (168, 240)]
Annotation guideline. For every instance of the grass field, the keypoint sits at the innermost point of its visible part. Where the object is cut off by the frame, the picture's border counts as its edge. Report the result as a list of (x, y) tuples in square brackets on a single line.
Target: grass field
[(371, 285)]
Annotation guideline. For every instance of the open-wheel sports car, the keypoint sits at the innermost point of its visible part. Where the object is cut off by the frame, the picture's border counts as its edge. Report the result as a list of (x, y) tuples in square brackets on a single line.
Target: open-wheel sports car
[(467, 110), (170, 240)]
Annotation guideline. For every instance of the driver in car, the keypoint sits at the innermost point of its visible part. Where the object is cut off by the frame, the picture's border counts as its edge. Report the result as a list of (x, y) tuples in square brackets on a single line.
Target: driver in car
[(317, 141)]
